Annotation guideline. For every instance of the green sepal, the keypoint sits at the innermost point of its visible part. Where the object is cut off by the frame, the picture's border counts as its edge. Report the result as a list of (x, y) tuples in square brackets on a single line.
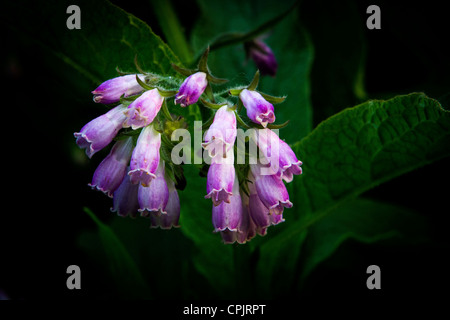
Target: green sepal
[(183, 71), (239, 106), (143, 84), (209, 93), (122, 73), (166, 111), (138, 67), (208, 122), (235, 92), (278, 126), (211, 105), (126, 101), (203, 63), (167, 93), (241, 122), (165, 139), (215, 80), (255, 81), (272, 99)]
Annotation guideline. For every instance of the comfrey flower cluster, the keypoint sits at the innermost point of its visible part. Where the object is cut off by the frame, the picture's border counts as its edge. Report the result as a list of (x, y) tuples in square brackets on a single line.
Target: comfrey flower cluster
[(139, 173)]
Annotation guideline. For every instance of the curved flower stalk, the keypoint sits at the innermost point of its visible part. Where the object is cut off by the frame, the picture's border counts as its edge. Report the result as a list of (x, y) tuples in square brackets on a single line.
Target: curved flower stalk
[(141, 176)]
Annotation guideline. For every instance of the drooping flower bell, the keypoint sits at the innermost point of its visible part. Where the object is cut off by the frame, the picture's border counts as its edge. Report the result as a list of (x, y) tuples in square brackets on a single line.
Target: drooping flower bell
[(142, 111), (145, 157), (125, 198), (263, 56), (276, 149), (98, 133), (171, 216), (259, 213), (111, 90), (221, 135), (221, 177), (259, 110), (191, 89), (228, 215), (271, 190), (109, 174), (154, 198)]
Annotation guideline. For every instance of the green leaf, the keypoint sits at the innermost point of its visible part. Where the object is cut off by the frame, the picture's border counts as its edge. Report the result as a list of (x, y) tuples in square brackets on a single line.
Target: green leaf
[(172, 29), (287, 39), (364, 220), (361, 147), (122, 267), (344, 156), (109, 38)]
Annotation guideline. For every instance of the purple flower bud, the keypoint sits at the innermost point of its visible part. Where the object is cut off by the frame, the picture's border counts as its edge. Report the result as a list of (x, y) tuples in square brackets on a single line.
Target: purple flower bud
[(227, 216), (154, 198), (258, 109), (275, 149), (143, 110), (99, 132), (125, 199), (221, 135), (170, 219), (271, 190), (145, 158), (110, 91), (109, 174), (191, 89), (263, 57), (219, 185)]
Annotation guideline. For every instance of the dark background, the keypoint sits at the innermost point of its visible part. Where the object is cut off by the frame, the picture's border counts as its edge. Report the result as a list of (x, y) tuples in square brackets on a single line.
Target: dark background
[(45, 180)]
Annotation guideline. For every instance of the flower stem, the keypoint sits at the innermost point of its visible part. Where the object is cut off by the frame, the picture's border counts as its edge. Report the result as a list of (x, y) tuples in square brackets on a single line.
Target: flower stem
[(172, 29)]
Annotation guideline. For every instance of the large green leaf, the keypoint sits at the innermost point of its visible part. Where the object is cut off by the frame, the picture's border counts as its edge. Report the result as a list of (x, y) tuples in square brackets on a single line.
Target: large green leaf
[(109, 37), (346, 155), (364, 146), (363, 220)]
